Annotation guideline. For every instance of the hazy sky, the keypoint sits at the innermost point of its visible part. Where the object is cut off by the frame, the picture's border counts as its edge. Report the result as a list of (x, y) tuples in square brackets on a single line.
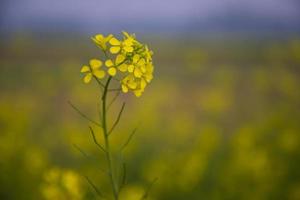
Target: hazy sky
[(87, 13)]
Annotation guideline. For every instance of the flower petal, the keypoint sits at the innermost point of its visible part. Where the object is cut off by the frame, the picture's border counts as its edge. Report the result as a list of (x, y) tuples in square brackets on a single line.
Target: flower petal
[(95, 63), (143, 68), (137, 73), (109, 63), (120, 58), (126, 34), (99, 37), (137, 93), (99, 74), (128, 49), (143, 83), (114, 41), (85, 69), (141, 61), (130, 68), (112, 71), (136, 58), (87, 78), (124, 88), (132, 84), (107, 38), (115, 49), (123, 67)]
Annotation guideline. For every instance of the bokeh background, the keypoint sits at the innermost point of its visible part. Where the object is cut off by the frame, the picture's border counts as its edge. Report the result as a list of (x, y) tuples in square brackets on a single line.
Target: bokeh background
[(219, 121)]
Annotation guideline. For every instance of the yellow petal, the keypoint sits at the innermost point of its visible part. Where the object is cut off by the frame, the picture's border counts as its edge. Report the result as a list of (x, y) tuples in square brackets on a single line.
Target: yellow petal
[(126, 34), (95, 63), (137, 73), (138, 93), (143, 68), (124, 88), (123, 68), (114, 41), (128, 42), (148, 77), (112, 71), (128, 49), (115, 49), (130, 68), (87, 78), (143, 83), (141, 61), (85, 69), (99, 37), (136, 58), (108, 37), (99, 74), (120, 58), (132, 85), (109, 63)]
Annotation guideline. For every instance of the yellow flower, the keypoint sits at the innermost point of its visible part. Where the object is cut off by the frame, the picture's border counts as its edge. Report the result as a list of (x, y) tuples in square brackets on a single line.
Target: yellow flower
[(127, 58), (119, 62), (148, 75), (101, 40), (147, 54), (138, 66), (128, 82), (137, 85), (93, 70), (117, 45)]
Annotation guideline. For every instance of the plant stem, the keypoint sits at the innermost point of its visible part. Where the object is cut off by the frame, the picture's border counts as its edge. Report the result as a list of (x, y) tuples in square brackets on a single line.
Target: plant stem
[(107, 146)]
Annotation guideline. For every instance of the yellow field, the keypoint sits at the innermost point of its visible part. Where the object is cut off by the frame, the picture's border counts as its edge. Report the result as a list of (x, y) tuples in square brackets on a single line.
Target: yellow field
[(220, 120)]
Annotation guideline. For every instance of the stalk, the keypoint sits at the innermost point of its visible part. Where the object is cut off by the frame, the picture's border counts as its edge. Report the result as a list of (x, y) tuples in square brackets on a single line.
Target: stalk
[(106, 140)]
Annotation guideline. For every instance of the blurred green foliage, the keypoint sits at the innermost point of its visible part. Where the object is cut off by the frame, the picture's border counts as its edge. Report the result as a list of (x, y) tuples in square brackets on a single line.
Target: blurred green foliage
[(219, 121)]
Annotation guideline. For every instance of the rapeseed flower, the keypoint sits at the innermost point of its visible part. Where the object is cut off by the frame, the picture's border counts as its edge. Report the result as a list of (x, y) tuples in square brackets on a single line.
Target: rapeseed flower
[(93, 70)]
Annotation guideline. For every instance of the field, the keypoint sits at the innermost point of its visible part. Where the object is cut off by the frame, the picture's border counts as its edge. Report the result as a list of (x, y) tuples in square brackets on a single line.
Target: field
[(219, 121)]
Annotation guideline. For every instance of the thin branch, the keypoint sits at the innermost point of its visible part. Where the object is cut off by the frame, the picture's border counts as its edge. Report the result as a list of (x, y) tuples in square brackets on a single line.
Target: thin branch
[(93, 186), (81, 151), (99, 111), (95, 140), (114, 99), (118, 119), (83, 115), (146, 194), (129, 139), (123, 181), (87, 156)]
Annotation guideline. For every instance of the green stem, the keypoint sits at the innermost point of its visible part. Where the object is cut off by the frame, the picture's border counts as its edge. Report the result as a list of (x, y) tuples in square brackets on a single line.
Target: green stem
[(107, 146)]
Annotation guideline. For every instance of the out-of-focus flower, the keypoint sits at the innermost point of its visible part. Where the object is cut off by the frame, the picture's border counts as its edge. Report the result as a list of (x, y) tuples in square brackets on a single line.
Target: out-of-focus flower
[(61, 184)]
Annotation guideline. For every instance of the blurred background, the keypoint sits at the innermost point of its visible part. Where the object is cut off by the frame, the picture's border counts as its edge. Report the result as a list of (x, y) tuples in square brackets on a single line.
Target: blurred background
[(219, 121)]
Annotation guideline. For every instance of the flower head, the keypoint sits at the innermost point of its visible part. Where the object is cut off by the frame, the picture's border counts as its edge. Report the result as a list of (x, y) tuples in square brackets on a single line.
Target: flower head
[(126, 59)]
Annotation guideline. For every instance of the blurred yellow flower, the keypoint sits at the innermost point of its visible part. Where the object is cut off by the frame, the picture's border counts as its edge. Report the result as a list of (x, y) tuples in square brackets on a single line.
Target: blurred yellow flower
[(93, 70), (62, 184)]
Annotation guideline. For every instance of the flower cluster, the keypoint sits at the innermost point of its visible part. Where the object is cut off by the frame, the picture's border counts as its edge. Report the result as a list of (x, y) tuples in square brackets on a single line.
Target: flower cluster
[(127, 60)]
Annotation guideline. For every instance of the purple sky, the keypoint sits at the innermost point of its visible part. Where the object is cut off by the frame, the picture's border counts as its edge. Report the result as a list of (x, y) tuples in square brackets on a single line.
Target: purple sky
[(87, 13)]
